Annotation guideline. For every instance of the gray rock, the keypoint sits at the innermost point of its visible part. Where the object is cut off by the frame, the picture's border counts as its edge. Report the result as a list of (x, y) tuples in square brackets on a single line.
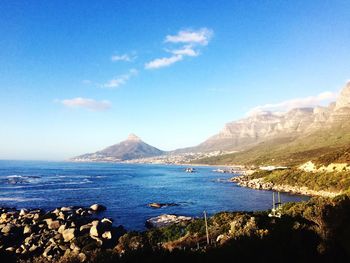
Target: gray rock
[(166, 220)]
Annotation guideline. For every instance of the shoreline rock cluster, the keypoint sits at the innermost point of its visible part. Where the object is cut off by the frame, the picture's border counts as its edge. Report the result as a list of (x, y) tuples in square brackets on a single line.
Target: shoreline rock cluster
[(166, 220), (62, 231), (260, 184)]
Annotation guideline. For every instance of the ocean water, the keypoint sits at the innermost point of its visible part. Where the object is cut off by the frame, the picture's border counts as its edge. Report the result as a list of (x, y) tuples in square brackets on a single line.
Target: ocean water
[(126, 189)]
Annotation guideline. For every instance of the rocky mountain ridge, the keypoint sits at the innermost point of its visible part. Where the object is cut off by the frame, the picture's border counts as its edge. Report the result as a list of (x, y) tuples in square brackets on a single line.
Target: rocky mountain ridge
[(264, 126)]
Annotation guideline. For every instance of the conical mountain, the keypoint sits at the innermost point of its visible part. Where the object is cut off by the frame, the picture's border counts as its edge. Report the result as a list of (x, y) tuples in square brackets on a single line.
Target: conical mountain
[(132, 148)]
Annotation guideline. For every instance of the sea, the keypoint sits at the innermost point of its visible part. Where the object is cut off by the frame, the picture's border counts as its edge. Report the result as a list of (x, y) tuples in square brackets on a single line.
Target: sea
[(127, 189)]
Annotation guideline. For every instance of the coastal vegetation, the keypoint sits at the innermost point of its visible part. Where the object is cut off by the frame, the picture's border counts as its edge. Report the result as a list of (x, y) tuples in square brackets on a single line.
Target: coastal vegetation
[(316, 230), (336, 181)]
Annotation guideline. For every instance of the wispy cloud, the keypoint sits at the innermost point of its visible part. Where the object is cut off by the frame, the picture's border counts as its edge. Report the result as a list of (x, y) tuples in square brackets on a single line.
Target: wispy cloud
[(201, 37), (185, 51), (311, 101), (190, 41), (123, 57), (120, 80), (163, 62), (86, 103)]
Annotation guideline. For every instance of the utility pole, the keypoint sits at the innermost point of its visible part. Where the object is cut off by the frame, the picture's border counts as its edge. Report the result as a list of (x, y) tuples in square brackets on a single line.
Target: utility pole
[(279, 200), (206, 226)]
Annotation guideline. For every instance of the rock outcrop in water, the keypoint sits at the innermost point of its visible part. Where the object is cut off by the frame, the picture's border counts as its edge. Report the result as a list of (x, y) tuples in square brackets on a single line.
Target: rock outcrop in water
[(160, 205)]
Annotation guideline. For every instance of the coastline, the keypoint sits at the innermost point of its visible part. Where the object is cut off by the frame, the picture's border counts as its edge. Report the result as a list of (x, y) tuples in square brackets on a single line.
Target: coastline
[(260, 184)]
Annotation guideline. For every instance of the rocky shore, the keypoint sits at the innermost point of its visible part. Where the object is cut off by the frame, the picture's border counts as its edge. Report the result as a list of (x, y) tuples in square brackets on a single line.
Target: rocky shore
[(63, 231), (166, 220), (260, 184)]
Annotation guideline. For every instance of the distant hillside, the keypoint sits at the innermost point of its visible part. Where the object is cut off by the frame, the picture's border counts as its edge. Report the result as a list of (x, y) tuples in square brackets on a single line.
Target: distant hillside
[(326, 143), (132, 148), (327, 131), (269, 127)]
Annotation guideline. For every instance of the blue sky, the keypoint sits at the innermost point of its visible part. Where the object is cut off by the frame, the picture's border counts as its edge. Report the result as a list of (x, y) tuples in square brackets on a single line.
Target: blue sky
[(77, 77)]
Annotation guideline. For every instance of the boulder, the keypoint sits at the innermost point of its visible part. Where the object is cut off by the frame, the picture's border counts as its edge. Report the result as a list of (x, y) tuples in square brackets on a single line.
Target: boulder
[(48, 251), (85, 228), (33, 248), (27, 229), (10, 249), (97, 208), (99, 241), (66, 209), (54, 224), (7, 229), (94, 231), (23, 212), (166, 220), (4, 216), (107, 235), (82, 257), (160, 205), (107, 221), (68, 234), (61, 229)]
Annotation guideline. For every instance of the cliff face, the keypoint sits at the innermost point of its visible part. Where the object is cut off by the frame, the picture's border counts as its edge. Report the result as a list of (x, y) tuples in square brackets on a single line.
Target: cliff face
[(257, 128)]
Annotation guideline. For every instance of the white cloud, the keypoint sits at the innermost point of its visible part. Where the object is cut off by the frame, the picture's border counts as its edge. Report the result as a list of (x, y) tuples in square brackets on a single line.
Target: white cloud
[(124, 57), (120, 80), (86, 103), (185, 51), (201, 36), (311, 101), (189, 41), (163, 62)]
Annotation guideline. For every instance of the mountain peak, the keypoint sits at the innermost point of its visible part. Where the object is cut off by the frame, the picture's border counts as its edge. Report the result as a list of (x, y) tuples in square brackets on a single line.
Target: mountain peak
[(133, 137), (344, 97), (132, 148)]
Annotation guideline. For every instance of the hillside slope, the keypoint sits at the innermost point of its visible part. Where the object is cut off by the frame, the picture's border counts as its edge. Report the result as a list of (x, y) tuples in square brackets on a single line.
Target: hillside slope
[(132, 148), (290, 151)]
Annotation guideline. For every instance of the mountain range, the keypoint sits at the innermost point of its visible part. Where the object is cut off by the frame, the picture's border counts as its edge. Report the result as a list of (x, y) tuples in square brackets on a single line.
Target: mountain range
[(258, 136), (264, 126)]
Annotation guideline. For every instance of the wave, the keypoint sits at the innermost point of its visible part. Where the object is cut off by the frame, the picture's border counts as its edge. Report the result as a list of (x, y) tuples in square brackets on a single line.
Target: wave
[(20, 179), (23, 176), (19, 199)]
